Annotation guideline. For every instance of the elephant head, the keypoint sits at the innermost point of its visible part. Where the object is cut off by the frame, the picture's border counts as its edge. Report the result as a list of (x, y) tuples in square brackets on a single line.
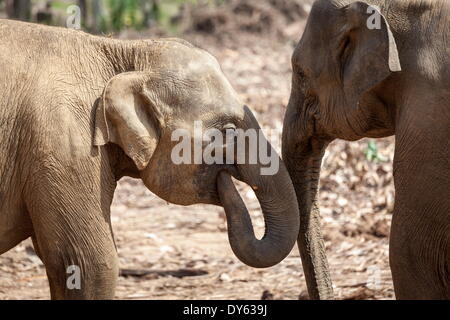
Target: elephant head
[(341, 68), (141, 112)]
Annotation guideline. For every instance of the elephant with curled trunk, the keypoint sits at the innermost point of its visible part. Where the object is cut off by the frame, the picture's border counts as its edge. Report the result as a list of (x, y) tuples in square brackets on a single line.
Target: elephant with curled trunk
[(79, 112), (376, 69)]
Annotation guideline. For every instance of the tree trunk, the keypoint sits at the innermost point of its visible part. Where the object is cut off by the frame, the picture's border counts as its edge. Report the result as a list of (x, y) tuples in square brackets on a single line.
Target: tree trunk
[(18, 9)]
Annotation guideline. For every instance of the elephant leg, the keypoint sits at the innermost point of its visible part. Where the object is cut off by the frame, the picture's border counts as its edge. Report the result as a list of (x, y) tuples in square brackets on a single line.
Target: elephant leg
[(15, 226), (36, 246), (73, 237), (419, 258), (80, 259)]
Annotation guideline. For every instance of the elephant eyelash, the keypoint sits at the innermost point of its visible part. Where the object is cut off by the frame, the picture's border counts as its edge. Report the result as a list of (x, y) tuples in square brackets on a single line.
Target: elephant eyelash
[(229, 126)]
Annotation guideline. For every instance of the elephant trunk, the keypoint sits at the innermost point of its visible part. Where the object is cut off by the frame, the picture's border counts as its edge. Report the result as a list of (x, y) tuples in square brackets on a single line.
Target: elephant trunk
[(279, 207), (302, 154)]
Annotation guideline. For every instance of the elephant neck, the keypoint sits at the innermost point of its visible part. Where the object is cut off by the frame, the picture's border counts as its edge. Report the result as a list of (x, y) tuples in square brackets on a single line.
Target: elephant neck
[(126, 55)]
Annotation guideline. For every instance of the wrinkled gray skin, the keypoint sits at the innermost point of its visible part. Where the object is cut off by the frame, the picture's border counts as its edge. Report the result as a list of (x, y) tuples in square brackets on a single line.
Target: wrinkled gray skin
[(79, 112), (350, 82)]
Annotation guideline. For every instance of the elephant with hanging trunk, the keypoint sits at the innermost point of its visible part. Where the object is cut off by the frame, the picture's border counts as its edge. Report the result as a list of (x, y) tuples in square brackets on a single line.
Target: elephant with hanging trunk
[(79, 112), (376, 69)]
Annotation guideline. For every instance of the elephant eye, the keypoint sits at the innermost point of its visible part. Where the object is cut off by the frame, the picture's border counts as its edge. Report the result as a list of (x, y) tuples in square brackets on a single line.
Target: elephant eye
[(301, 79), (301, 74)]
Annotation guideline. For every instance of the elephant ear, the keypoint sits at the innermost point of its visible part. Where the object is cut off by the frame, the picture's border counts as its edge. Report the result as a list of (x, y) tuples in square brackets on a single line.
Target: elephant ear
[(128, 114), (371, 52)]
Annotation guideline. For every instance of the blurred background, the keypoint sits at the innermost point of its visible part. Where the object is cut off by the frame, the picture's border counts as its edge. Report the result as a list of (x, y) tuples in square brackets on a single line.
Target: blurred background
[(164, 16), (104, 15), (173, 252)]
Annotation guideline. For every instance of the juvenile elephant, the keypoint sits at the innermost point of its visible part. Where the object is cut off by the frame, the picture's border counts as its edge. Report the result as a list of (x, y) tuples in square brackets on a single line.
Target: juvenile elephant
[(79, 112), (375, 69)]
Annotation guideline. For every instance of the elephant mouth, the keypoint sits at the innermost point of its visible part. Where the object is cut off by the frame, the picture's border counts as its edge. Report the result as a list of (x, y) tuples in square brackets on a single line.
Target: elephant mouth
[(209, 194)]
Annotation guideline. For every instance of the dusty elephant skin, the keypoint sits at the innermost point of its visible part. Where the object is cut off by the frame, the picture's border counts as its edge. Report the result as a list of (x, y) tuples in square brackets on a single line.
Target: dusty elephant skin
[(351, 82), (79, 112)]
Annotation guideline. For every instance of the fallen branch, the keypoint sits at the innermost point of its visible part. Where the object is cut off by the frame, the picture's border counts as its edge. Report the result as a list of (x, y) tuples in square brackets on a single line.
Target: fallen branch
[(180, 273)]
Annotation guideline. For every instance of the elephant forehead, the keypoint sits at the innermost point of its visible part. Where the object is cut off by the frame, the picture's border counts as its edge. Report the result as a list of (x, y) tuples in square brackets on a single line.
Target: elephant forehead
[(186, 59), (200, 83)]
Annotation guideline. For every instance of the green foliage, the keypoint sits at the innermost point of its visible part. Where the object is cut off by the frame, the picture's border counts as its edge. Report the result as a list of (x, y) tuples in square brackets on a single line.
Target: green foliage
[(122, 14), (371, 153), (59, 5), (137, 14), (116, 15), (164, 11)]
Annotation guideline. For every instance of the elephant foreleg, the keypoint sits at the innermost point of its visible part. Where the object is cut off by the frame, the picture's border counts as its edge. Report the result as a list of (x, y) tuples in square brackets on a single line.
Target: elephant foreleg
[(419, 250), (80, 259), (73, 237)]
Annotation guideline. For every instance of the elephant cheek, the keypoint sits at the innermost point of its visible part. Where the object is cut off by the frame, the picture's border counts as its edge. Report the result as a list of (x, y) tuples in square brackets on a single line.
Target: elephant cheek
[(177, 184)]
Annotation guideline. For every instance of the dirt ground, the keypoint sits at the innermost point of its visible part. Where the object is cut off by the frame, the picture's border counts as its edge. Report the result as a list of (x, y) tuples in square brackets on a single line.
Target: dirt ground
[(174, 252)]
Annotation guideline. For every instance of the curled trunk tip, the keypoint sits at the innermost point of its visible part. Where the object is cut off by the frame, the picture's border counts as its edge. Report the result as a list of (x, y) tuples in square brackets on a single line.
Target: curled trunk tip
[(281, 219)]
